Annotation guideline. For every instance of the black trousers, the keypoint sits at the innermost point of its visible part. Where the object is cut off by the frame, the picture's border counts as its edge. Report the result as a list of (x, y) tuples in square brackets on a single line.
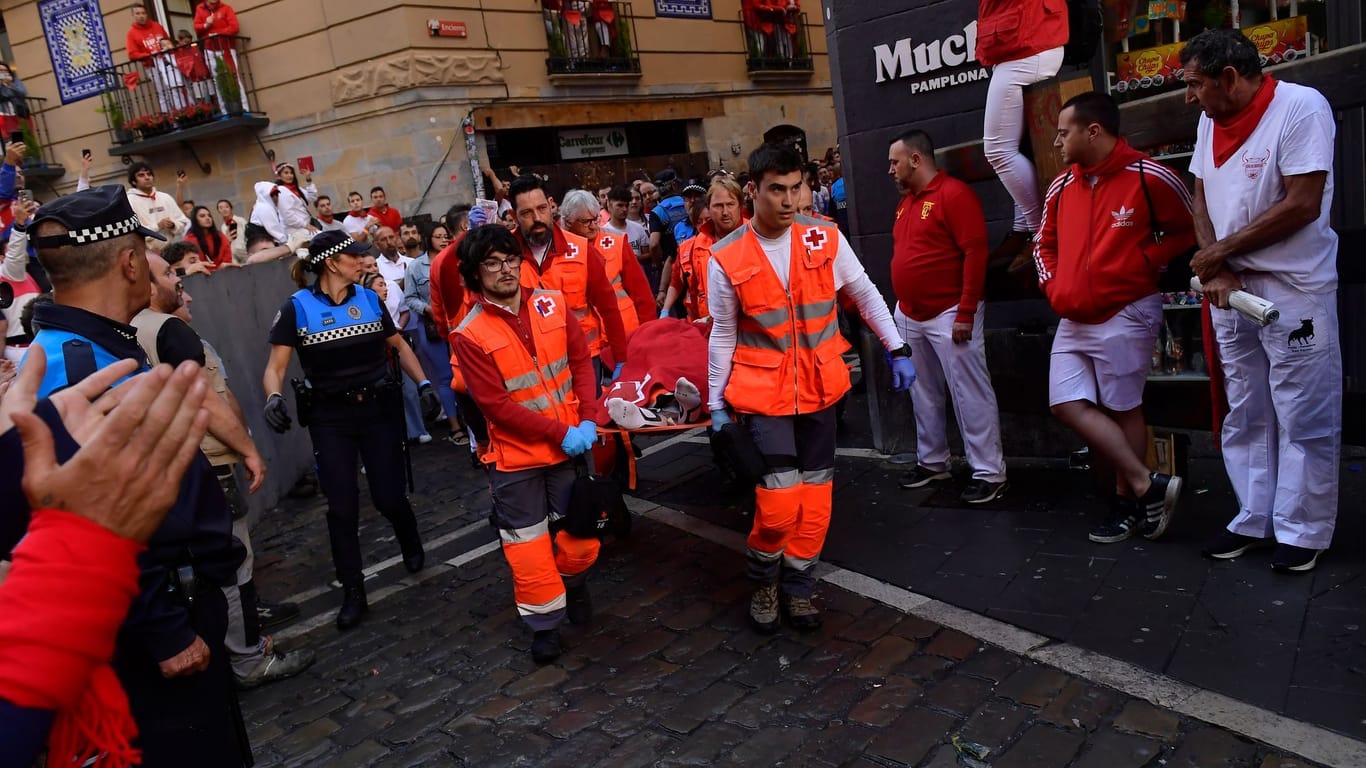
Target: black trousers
[(193, 720), (375, 432)]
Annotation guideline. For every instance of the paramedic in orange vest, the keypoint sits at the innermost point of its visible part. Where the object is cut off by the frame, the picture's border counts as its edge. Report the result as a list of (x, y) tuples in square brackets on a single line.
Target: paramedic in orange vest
[(527, 366), (689, 274), (775, 358), (580, 213), (563, 261)]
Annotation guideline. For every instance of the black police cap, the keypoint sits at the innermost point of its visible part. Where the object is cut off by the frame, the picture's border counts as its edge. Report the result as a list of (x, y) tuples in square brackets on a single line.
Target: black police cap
[(329, 243), (90, 216)]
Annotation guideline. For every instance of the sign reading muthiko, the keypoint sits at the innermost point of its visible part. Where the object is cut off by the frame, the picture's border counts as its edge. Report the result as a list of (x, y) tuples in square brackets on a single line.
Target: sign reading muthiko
[(905, 59), (586, 143)]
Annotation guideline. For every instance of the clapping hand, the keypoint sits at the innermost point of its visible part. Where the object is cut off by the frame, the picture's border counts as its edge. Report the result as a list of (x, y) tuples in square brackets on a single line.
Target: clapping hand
[(136, 442)]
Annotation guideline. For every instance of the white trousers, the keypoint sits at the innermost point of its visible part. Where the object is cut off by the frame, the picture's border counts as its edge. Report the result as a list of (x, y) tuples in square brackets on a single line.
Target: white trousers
[(1282, 438), (963, 367), (1004, 126)]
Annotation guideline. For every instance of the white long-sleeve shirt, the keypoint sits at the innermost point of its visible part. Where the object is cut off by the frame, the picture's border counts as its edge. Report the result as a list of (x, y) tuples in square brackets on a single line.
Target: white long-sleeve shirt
[(724, 305), (152, 208)]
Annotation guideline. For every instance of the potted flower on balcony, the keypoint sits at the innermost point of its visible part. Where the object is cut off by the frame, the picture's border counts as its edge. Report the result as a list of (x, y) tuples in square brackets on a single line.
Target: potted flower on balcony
[(229, 92), (151, 125), (194, 114)]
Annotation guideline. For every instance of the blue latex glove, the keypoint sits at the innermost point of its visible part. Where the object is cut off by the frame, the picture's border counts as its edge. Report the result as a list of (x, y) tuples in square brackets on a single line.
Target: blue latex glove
[(903, 373), (576, 441), (663, 313), (719, 418), (589, 430), (478, 217), (616, 372)]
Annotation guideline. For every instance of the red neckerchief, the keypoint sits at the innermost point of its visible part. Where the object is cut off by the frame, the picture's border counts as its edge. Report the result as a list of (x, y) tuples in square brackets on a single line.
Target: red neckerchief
[(1231, 132), (291, 187), (327, 220), (140, 193)]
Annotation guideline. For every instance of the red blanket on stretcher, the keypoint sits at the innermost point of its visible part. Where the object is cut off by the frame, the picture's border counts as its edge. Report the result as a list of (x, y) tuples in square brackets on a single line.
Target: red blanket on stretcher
[(658, 353)]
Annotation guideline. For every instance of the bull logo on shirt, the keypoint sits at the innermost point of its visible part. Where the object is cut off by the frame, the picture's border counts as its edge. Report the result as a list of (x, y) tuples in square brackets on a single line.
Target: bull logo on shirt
[(1253, 165), (1304, 335), (925, 209)]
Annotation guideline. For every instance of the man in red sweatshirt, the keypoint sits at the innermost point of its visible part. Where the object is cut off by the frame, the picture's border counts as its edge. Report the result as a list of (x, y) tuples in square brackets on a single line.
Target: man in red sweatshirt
[(1111, 222), (939, 264), (216, 23), (143, 42)]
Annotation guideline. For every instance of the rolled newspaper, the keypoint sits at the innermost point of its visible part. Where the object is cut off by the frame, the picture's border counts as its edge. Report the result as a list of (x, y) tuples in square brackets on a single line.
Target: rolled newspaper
[(1254, 308)]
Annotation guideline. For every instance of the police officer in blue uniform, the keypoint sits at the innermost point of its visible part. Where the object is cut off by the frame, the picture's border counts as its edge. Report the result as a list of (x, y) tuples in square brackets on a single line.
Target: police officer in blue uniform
[(350, 401), (170, 654)]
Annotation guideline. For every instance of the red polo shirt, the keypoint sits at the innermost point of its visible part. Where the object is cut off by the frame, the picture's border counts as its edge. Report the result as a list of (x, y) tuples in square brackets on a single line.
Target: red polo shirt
[(389, 217), (939, 251)]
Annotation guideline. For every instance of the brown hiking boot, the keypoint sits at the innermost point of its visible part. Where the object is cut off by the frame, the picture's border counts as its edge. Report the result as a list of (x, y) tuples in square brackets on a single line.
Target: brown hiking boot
[(801, 614), (763, 609)]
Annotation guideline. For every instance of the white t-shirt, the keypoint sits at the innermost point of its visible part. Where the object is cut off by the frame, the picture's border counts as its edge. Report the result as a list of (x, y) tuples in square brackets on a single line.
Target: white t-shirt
[(1294, 137), (635, 233), (354, 225), (394, 273), (724, 305)]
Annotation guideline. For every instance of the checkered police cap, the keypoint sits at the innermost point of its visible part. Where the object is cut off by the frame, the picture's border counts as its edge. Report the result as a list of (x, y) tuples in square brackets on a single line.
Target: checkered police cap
[(91, 216), (327, 244)]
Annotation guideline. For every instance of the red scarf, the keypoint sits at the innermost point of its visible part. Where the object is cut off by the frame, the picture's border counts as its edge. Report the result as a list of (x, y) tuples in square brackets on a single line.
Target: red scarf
[(60, 610), (1231, 132)]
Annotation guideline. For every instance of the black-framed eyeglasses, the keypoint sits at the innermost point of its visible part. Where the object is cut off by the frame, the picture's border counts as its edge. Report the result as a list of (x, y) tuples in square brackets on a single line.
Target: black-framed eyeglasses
[(494, 266)]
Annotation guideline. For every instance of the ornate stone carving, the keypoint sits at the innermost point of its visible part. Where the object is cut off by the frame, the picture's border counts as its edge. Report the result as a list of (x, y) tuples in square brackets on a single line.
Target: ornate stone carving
[(414, 69)]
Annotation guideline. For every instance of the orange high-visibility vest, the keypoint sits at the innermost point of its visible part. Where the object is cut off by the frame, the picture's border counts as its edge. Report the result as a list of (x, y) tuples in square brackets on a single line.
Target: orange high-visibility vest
[(694, 257), (568, 274), (540, 383), (457, 378), (614, 249), (788, 345)]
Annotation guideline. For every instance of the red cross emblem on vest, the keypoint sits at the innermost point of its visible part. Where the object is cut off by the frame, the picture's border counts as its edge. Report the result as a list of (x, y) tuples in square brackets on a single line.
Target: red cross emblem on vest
[(573, 251), (545, 306), (606, 242), (814, 238)]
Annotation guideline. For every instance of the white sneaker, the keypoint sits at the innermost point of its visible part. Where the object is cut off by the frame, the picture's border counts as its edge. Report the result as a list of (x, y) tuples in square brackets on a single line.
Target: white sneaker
[(689, 398), (424, 438), (631, 416)]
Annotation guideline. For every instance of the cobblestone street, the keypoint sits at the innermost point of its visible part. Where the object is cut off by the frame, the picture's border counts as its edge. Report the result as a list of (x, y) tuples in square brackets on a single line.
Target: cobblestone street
[(668, 673)]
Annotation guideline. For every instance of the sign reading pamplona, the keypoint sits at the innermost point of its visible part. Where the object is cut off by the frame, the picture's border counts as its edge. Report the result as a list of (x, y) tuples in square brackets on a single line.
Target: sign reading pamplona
[(906, 58), (583, 143)]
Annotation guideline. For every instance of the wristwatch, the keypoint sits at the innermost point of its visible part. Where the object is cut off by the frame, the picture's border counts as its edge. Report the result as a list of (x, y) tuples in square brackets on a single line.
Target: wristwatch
[(903, 351)]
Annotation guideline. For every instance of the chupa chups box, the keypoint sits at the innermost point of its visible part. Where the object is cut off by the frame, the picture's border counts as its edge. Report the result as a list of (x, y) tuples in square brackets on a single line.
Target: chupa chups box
[(1148, 68), (1280, 41)]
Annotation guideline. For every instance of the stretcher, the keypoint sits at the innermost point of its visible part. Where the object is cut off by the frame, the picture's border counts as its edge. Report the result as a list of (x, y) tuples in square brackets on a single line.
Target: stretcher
[(629, 449)]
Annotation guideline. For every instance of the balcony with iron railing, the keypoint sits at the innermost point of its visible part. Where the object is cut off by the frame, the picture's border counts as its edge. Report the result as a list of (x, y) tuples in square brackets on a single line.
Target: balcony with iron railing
[(777, 43), (181, 94), (591, 39), (31, 129)]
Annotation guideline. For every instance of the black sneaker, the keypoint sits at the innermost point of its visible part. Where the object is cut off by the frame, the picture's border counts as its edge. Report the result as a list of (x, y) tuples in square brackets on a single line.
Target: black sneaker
[(1158, 505), (981, 491), (272, 615), (1228, 545), (545, 646), (1119, 525), (921, 477), (1289, 558)]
